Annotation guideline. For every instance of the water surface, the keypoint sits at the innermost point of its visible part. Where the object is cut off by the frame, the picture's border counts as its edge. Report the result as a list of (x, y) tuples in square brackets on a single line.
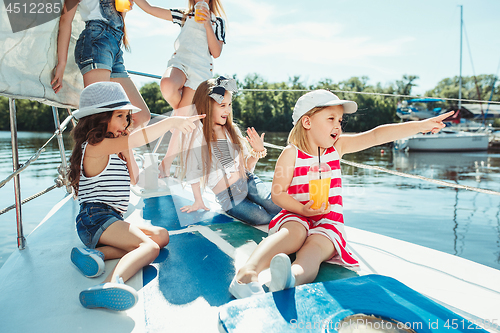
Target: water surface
[(460, 222)]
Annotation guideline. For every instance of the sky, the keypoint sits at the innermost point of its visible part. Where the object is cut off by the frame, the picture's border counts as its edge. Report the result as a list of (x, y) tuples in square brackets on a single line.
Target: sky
[(335, 39)]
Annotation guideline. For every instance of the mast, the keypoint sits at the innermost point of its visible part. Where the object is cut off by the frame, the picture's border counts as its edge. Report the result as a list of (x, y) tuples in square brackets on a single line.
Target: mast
[(460, 77)]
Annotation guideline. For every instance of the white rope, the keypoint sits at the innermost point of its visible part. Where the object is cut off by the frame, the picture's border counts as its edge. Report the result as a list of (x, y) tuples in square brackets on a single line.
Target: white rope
[(370, 93), (337, 91), (407, 175)]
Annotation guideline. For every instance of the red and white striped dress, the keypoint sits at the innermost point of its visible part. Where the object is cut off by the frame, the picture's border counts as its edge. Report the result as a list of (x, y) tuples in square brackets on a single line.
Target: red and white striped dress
[(330, 225)]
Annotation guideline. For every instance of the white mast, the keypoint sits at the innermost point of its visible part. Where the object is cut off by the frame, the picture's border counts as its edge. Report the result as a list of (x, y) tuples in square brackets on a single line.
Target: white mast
[(460, 78)]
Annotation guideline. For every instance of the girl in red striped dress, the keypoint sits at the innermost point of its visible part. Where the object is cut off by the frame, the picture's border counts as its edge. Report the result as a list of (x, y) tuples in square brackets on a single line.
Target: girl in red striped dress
[(315, 235)]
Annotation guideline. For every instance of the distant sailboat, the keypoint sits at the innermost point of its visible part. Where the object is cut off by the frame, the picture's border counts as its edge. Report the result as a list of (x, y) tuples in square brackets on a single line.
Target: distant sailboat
[(445, 140)]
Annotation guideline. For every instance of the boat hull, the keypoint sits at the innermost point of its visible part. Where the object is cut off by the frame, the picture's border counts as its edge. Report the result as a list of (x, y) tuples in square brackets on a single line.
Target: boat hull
[(460, 141)]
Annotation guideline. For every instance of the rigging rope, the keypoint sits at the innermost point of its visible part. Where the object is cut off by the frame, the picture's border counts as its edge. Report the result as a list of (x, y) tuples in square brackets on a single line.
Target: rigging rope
[(406, 175), (5, 210), (153, 76)]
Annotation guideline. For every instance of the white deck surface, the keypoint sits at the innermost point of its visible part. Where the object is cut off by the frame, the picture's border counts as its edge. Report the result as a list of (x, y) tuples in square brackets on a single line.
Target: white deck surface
[(39, 286)]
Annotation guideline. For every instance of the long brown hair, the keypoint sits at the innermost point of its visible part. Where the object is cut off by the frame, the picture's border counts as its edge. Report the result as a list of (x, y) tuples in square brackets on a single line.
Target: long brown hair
[(204, 105), (92, 129)]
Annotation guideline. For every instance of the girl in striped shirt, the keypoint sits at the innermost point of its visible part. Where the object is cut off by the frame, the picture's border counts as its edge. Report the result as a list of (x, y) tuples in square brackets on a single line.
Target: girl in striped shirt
[(102, 166), (217, 157), (315, 235)]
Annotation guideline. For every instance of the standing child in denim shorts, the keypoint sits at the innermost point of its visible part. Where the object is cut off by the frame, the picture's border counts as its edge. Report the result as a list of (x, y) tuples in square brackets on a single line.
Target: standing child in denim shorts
[(102, 166), (217, 156), (98, 51), (315, 235)]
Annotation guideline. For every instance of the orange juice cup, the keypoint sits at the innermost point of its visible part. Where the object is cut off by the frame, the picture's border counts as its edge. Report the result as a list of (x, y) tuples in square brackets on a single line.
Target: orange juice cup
[(122, 5), (319, 184), (198, 13)]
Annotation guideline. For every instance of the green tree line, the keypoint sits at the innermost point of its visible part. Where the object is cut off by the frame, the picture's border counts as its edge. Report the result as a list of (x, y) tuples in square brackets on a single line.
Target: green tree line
[(269, 106)]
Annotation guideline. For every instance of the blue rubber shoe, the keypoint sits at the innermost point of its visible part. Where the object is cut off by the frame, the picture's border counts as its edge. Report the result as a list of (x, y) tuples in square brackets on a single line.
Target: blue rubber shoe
[(113, 296), (90, 262), (281, 273)]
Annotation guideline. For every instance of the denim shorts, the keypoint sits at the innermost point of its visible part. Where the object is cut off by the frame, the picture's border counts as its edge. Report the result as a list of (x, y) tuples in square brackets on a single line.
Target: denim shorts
[(93, 219), (99, 47)]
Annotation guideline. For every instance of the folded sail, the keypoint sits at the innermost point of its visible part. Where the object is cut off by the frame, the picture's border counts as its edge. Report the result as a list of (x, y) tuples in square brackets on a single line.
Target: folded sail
[(28, 57)]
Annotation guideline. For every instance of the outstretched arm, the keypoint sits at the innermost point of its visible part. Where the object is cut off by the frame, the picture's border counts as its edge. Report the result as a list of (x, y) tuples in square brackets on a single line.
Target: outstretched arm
[(142, 136), (159, 12), (387, 133), (67, 15)]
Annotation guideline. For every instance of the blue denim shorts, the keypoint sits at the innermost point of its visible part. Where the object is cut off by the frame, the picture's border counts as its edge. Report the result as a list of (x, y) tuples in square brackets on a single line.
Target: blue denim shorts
[(93, 219), (99, 47)]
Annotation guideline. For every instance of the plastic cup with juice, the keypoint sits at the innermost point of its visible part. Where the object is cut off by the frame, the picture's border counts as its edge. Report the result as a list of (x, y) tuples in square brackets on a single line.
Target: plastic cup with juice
[(319, 184), (198, 13), (122, 5)]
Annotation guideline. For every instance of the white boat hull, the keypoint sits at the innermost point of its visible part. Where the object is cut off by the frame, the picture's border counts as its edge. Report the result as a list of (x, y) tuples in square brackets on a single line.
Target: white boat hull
[(446, 141)]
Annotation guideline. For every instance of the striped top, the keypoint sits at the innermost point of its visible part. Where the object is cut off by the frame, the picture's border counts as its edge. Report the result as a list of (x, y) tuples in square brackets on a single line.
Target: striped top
[(299, 187), (111, 186), (221, 151), (218, 23)]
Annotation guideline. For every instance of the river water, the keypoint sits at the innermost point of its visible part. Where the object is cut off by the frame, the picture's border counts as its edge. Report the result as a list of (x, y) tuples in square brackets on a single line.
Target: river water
[(460, 222)]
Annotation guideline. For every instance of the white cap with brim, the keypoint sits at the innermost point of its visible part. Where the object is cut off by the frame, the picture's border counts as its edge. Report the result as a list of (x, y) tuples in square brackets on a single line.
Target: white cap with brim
[(102, 97), (319, 98)]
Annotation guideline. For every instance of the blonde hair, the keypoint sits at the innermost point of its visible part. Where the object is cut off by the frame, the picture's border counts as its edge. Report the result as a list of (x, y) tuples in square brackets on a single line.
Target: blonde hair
[(204, 105), (298, 134), (215, 7)]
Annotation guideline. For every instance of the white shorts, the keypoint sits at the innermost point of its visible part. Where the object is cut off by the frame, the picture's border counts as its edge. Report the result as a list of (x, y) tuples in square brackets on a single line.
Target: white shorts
[(195, 74)]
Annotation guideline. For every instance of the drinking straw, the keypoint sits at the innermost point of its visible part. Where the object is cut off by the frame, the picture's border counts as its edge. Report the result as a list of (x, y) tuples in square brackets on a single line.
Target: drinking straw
[(319, 161)]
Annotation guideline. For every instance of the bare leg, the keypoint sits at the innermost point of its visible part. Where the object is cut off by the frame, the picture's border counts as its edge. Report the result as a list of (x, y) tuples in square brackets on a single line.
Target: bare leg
[(316, 249), (159, 235), (289, 239), (171, 85), (140, 248), (141, 118), (173, 146), (96, 75)]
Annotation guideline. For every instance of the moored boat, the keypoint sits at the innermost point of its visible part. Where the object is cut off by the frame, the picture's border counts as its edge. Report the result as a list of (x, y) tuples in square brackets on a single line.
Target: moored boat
[(445, 140)]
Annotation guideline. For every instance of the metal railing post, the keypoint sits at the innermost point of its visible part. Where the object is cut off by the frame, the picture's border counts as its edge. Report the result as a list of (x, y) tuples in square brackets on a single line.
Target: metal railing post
[(62, 152), (21, 241)]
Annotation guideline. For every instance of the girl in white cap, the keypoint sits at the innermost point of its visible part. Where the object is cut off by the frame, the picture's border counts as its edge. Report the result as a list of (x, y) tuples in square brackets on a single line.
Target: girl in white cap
[(315, 235), (102, 166)]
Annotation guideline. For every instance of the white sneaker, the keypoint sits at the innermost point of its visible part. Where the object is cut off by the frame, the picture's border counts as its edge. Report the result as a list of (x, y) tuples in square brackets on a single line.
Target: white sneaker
[(281, 273), (242, 290)]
